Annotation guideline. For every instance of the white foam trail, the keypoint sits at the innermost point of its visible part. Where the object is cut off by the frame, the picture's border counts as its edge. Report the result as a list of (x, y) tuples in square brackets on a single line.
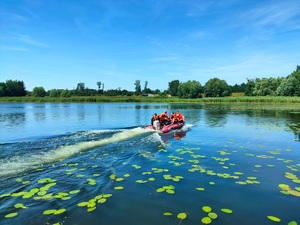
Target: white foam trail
[(18, 164)]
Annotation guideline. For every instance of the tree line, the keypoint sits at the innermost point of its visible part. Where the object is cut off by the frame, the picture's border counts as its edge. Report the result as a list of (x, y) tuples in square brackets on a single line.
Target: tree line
[(214, 87)]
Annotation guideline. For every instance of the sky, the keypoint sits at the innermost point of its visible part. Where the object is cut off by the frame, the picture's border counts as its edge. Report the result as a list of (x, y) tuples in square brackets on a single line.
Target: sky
[(60, 43)]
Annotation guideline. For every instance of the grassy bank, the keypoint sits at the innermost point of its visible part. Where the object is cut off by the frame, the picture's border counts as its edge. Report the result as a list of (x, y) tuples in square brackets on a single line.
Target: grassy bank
[(239, 99)]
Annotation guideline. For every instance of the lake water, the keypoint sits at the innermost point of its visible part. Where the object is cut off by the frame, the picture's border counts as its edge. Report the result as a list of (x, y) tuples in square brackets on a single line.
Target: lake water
[(96, 164)]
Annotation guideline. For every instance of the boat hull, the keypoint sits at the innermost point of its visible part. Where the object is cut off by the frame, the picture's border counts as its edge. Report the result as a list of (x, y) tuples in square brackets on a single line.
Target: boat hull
[(169, 127)]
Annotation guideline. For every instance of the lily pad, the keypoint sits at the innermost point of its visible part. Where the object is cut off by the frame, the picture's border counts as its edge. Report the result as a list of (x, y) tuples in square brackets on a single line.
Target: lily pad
[(10, 215), (206, 209), (119, 188), (226, 211), (292, 223), (274, 218), (206, 220), (20, 206), (167, 214), (59, 211), (181, 216), (212, 215), (49, 211)]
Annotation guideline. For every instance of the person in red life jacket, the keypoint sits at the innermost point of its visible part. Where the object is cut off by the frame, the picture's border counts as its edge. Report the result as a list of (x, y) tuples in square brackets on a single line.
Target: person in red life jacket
[(179, 117), (154, 117), (164, 119), (173, 118)]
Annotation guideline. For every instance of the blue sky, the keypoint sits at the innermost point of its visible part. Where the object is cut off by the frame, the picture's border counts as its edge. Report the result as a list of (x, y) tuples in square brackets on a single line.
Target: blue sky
[(59, 43)]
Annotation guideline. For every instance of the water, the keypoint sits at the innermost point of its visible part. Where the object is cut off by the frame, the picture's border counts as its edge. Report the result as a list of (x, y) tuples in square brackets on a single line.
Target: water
[(96, 164)]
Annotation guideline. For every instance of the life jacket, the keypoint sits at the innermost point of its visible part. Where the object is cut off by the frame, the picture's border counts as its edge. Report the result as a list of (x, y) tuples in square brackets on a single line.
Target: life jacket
[(154, 117), (179, 117)]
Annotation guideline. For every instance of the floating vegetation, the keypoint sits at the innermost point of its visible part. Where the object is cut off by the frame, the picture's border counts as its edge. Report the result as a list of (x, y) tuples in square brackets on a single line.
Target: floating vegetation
[(177, 174), (273, 218)]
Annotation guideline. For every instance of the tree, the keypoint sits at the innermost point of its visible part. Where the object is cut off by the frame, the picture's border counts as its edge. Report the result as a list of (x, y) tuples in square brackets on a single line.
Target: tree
[(138, 89), (2, 89), (38, 92), (296, 73), (100, 87), (65, 93), (266, 86), (289, 87), (173, 87), (190, 89), (216, 87), (249, 87), (145, 87), (80, 88), (55, 93), (15, 88)]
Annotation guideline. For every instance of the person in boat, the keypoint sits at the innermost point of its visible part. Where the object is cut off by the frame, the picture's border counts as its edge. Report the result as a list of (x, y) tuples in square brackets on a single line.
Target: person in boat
[(179, 117), (173, 118), (164, 119), (154, 118)]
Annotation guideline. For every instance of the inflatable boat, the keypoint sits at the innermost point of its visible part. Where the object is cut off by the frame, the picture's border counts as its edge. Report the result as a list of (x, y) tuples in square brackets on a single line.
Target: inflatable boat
[(167, 128)]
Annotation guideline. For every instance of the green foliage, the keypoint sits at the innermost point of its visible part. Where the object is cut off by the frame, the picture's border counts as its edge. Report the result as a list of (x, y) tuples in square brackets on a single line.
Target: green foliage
[(55, 93), (12, 88), (38, 92), (138, 89), (216, 87), (65, 93), (249, 87), (296, 73), (289, 87), (173, 87), (266, 86), (190, 89)]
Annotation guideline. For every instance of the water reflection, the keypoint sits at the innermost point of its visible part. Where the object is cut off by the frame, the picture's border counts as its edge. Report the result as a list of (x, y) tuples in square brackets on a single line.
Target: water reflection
[(216, 118), (39, 117), (12, 119), (81, 112)]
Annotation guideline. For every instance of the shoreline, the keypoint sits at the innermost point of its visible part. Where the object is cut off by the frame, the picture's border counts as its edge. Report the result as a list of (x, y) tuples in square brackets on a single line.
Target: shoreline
[(141, 99)]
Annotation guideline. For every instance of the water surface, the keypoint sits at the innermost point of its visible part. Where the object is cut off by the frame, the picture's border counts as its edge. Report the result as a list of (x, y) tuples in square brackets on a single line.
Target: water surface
[(96, 164)]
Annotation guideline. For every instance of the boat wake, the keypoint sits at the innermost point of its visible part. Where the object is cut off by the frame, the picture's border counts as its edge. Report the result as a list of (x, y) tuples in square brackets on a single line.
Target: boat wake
[(69, 146)]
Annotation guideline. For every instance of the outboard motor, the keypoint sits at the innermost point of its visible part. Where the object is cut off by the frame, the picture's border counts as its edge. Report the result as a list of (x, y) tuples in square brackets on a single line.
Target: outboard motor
[(156, 125)]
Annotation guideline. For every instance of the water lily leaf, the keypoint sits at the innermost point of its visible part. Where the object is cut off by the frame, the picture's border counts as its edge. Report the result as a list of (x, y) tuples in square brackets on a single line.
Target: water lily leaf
[(274, 218), (181, 216), (200, 189), (169, 191), (206, 209), (49, 211), (74, 192), (102, 200), (107, 195), (10, 215), (119, 188), (59, 211), (206, 220), (96, 174), (81, 204), (226, 210), (91, 209), (167, 214), (212, 215), (292, 223), (20, 206), (126, 175), (160, 190), (120, 179)]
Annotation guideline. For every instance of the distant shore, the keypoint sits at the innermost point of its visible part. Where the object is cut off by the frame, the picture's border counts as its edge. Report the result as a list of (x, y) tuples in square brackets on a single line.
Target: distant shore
[(141, 99)]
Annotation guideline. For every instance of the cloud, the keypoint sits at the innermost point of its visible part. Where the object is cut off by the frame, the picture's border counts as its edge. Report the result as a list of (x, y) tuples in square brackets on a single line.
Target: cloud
[(283, 15), (29, 40), (12, 48)]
